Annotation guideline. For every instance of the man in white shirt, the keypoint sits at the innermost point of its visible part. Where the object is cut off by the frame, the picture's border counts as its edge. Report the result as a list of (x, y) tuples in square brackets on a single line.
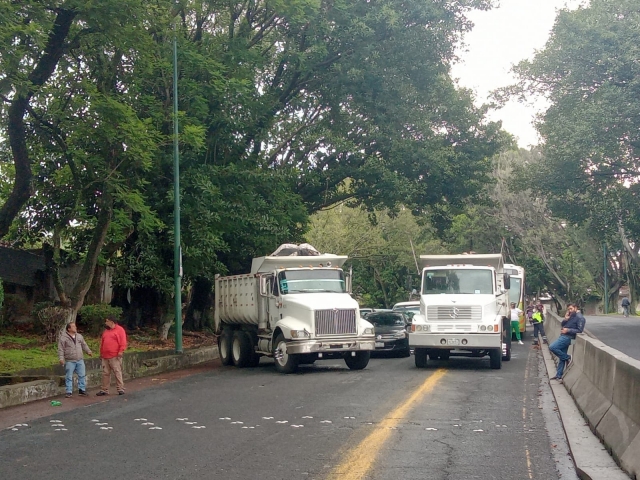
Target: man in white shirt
[(515, 321)]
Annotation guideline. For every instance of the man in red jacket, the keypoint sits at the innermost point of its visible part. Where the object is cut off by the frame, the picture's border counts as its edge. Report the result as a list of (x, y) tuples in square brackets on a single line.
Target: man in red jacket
[(112, 346)]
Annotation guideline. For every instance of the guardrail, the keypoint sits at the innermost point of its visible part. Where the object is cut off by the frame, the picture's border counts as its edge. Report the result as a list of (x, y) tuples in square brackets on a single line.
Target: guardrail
[(605, 384)]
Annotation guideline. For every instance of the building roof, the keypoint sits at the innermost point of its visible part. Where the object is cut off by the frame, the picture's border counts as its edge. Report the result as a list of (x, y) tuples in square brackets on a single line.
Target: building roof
[(19, 266)]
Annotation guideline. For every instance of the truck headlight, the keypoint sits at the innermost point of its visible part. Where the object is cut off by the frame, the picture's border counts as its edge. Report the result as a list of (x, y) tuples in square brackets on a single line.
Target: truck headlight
[(368, 331), (420, 328), (300, 334)]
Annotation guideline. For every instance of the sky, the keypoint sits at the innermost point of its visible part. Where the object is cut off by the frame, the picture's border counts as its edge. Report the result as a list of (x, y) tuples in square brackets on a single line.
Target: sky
[(501, 38)]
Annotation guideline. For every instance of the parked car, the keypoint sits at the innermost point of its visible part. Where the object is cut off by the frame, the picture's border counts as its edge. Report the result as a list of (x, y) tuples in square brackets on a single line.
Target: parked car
[(365, 311), (391, 332), (410, 308)]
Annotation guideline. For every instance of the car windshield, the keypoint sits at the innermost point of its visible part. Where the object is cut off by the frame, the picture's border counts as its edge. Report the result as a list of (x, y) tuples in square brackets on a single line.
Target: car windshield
[(409, 309), (386, 319), (457, 281), (311, 281)]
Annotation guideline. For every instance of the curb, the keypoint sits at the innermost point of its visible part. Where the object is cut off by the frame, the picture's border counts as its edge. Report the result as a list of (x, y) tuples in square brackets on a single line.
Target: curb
[(21, 393), (592, 460)]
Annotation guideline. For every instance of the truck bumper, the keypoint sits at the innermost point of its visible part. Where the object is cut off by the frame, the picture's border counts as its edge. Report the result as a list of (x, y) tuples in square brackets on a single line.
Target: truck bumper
[(462, 341), (345, 344)]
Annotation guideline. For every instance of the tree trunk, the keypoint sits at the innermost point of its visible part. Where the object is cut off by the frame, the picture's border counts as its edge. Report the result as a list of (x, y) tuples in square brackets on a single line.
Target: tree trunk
[(199, 305), (74, 301)]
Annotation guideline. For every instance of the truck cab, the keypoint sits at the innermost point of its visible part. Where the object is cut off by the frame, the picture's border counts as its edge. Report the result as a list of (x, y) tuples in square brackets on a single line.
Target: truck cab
[(463, 308)]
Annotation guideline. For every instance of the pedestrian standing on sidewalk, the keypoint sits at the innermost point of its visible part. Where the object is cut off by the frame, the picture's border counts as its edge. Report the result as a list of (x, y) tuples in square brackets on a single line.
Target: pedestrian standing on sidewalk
[(625, 306), (71, 346), (515, 321), (570, 327), (112, 346)]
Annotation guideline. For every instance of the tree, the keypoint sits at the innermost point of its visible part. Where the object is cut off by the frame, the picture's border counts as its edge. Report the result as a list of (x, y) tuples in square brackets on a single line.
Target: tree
[(380, 249), (589, 72)]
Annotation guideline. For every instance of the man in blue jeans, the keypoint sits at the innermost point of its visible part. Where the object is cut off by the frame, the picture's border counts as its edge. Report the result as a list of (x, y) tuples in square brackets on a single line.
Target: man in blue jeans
[(572, 324), (70, 348)]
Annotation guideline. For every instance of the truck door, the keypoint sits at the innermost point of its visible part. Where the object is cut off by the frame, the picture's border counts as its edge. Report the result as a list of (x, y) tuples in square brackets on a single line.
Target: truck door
[(273, 301)]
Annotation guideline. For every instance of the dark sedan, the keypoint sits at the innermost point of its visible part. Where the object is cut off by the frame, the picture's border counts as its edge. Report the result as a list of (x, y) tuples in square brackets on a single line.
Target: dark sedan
[(391, 332)]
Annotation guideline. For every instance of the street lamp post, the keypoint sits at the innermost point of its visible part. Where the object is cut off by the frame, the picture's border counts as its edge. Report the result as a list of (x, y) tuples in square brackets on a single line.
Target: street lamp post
[(177, 253), (606, 288)]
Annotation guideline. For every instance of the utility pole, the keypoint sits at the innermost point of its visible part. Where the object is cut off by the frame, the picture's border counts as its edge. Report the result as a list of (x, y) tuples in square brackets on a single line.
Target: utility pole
[(177, 251), (606, 288)]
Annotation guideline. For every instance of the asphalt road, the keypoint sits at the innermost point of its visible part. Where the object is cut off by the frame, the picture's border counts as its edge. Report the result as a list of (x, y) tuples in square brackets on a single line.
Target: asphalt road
[(617, 332), (454, 420)]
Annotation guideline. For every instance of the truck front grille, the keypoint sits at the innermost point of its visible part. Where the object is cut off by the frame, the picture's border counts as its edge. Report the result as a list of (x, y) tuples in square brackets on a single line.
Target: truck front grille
[(454, 313), (336, 322)]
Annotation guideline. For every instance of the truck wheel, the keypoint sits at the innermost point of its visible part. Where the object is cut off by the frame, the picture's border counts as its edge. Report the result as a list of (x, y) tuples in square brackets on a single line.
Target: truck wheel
[(241, 349), (359, 362), (445, 354), (506, 338), (495, 358), (224, 347), (507, 357), (285, 363), (421, 357)]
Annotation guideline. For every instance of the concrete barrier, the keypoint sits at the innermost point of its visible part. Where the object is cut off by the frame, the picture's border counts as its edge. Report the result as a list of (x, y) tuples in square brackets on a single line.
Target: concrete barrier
[(135, 364), (605, 384)]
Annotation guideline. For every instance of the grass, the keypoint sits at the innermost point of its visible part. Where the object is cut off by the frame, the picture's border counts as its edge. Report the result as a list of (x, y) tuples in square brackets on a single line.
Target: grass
[(23, 351)]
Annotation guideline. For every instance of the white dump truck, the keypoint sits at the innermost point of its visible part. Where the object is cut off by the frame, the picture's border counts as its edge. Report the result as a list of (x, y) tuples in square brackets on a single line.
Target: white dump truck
[(463, 309), (296, 309)]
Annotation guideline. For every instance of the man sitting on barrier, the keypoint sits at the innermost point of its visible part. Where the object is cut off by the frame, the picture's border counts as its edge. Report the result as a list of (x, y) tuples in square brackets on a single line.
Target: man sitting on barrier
[(571, 326)]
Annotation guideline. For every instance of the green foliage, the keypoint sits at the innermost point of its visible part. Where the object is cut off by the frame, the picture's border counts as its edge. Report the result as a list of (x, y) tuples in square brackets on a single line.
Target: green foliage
[(92, 316), (286, 108), (589, 72), (379, 247)]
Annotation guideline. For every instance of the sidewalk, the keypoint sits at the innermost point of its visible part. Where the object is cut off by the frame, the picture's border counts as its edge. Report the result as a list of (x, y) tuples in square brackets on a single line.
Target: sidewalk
[(42, 408)]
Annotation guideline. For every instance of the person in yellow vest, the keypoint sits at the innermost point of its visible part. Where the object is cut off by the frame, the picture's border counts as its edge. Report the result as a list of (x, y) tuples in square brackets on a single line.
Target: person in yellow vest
[(537, 320)]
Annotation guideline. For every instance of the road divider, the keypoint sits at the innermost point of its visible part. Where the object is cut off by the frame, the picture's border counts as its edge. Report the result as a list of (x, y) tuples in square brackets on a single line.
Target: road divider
[(357, 462), (605, 384)]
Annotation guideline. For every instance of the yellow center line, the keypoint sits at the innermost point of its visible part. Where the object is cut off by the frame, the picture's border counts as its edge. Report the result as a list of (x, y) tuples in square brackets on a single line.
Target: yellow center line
[(357, 461)]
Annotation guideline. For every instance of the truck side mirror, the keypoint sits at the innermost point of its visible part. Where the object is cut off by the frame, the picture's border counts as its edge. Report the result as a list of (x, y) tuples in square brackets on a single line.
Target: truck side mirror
[(347, 281), (507, 281)]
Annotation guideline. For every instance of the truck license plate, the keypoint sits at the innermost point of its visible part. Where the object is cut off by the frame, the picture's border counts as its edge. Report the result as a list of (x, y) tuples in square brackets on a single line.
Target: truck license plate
[(453, 341), (379, 344)]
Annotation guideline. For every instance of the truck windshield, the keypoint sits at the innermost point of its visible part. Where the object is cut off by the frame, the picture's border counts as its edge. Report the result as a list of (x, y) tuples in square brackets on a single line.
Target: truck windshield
[(458, 281), (311, 281)]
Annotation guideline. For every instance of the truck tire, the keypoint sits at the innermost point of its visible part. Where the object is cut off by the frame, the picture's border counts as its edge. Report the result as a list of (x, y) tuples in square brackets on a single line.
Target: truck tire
[(507, 340), (445, 354), (359, 362), (285, 363), (241, 349), (421, 357), (224, 347), (495, 358)]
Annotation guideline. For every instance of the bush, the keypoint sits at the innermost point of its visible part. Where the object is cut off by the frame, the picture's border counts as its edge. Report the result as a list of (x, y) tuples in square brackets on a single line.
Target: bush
[(1, 303), (53, 320), (92, 316)]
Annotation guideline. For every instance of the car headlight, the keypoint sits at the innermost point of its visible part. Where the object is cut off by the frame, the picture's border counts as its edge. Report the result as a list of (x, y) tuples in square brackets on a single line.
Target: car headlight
[(400, 334), (368, 331), (300, 334)]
